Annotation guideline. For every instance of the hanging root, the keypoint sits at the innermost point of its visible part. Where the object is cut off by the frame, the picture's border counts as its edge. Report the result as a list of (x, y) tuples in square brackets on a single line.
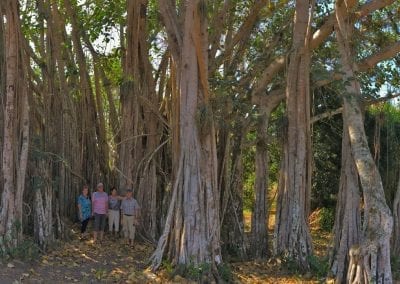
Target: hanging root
[(156, 258)]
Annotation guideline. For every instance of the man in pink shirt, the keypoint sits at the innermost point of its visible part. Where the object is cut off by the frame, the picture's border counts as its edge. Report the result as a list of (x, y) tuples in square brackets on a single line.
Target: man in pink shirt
[(99, 210)]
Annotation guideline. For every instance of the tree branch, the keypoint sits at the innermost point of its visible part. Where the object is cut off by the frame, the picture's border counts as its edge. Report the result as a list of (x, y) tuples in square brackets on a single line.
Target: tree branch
[(329, 114), (318, 38), (386, 53), (242, 34), (170, 20), (217, 25), (326, 29)]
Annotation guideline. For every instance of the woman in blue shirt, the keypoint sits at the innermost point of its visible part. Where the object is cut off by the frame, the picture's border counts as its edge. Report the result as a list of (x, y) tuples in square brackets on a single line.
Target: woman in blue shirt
[(84, 209)]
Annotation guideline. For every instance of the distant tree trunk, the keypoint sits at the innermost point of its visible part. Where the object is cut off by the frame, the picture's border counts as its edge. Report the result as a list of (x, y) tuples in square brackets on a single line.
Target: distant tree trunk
[(65, 115), (231, 184), (16, 132), (259, 227), (140, 124), (371, 261), (396, 222), (192, 228), (94, 166), (130, 148), (292, 232), (347, 228)]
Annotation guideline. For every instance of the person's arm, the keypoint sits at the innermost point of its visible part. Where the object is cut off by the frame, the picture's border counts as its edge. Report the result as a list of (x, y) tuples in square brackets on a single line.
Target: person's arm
[(80, 211), (93, 200)]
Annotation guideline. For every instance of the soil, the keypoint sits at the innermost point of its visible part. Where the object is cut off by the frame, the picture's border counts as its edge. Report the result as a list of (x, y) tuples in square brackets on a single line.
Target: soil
[(112, 261)]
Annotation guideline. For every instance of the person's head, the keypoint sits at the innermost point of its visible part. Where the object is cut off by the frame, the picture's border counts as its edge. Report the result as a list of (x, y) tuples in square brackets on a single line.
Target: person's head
[(114, 191), (100, 187), (85, 190), (129, 193)]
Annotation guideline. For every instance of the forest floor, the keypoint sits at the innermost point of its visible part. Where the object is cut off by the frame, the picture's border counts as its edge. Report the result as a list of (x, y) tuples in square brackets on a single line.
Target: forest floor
[(78, 261)]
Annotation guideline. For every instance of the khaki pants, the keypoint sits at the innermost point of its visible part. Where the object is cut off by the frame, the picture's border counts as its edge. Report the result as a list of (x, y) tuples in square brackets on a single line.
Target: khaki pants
[(113, 219), (128, 227)]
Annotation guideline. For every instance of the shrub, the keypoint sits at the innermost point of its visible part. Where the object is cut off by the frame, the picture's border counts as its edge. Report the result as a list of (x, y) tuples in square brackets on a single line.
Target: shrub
[(319, 265), (327, 219)]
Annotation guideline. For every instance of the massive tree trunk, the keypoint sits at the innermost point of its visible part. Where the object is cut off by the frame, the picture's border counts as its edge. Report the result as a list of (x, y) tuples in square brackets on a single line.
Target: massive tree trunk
[(16, 132), (347, 228), (370, 262), (191, 232), (292, 232)]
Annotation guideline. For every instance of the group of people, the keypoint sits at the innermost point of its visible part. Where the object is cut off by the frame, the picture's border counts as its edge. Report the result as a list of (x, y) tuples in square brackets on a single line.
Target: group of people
[(117, 208)]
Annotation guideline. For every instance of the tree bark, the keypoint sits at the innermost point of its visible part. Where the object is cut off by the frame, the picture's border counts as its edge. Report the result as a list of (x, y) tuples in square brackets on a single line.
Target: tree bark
[(259, 227), (231, 183), (396, 222), (291, 231), (16, 132), (43, 204), (192, 229), (347, 227), (93, 167), (371, 262)]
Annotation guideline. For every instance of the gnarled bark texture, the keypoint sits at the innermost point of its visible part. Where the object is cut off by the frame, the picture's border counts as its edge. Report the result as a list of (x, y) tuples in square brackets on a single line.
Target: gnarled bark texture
[(347, 228), (292, 233), (259, 228), (16, 132), (192, 229), (370, 262)]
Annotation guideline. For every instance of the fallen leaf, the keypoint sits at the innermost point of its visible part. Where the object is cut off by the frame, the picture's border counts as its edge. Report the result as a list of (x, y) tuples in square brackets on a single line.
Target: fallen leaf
[(10, 265)]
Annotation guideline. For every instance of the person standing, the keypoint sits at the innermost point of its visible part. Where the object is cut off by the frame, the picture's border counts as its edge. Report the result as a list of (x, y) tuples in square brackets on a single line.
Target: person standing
[(84, 209), (100, 210), (130, 217), (114, 206)]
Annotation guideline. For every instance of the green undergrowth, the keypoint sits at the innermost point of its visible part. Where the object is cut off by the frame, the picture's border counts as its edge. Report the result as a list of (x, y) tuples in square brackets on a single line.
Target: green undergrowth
[(202, 273), (25, 250), (395, 262)]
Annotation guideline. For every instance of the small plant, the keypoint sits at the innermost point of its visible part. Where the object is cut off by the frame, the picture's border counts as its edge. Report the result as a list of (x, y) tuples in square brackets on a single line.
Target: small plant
[(327, 219), (319, 266), (195, 272), (169, 268), (192, 271), (290, 265), (225, 272), (26, 250)]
